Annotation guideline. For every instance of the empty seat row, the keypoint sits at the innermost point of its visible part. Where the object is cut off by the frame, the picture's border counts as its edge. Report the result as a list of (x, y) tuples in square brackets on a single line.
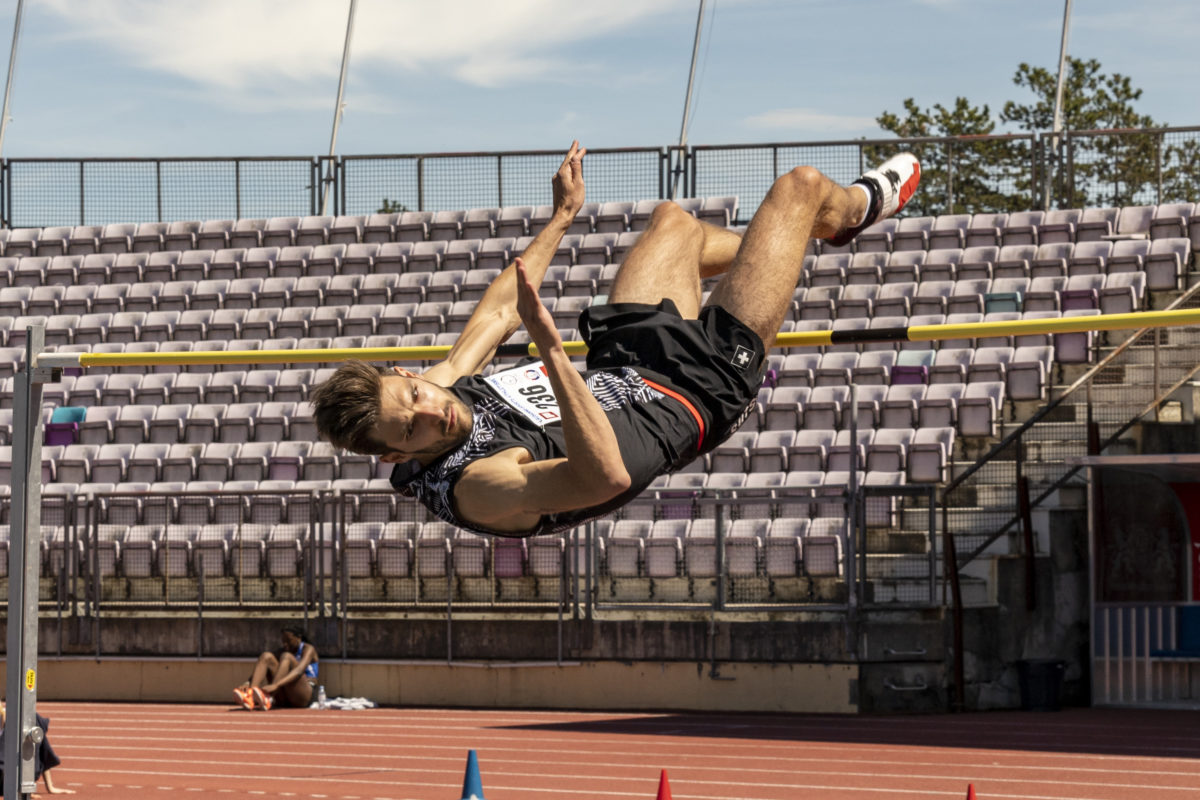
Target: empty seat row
[(973, 408), (1024, 227), (1162, 260), (250, 293), (150, 462), (408, 226), (1116, 293), (187, 423), (626, 549), (1069, 347), (327, 321), (252, 502)]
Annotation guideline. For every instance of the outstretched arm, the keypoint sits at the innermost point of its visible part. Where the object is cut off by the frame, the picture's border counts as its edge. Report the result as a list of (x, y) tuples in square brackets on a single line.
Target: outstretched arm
[(506, 493), (495, 317)]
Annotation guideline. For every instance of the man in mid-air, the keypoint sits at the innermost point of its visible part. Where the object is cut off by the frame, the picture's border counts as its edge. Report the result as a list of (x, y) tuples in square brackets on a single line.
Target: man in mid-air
[(541, 448)]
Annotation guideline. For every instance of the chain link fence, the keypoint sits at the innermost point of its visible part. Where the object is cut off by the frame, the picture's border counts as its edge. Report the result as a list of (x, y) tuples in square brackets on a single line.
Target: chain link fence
[(1129, 167), (450, 181), (70, 192), (970, 174)]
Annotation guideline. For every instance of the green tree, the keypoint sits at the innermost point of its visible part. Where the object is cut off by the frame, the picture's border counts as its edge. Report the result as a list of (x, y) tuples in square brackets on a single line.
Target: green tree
[(1181, 171), (1090, 169), (962, 176), (389, 207)]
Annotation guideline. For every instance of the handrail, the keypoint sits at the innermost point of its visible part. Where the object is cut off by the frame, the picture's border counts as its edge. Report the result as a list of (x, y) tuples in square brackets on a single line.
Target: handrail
[(1073, 470), (1055, 402), (1041, 414)]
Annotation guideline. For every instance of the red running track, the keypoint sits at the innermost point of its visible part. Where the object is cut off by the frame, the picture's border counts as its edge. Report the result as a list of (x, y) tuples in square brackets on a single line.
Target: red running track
[(160, 751)]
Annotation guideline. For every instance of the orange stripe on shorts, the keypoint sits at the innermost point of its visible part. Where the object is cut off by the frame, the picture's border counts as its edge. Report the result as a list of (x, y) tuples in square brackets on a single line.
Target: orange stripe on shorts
[(686, 404)]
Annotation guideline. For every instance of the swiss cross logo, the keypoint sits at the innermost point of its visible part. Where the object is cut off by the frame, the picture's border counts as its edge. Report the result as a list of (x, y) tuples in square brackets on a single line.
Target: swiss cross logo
[(742, 357)]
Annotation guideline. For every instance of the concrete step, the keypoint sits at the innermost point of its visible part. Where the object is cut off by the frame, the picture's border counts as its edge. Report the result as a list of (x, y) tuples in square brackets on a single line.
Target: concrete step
[(895, 541), (909, 566), (881, 591)]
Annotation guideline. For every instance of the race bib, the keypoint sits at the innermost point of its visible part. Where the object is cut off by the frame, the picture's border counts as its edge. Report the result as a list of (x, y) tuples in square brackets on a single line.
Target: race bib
[(527, 390)]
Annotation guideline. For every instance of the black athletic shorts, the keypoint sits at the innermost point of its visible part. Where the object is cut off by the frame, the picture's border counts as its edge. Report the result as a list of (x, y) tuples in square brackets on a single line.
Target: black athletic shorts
[(716, 361)]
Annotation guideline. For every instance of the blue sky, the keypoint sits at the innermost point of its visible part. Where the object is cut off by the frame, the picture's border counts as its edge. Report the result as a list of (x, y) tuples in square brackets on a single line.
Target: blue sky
[(259, 77)]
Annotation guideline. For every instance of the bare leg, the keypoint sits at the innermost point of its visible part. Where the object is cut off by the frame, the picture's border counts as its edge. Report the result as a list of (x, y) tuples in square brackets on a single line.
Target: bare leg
[(297, 691), (803, 204), (264, 669), (670, 257), (287, 663)]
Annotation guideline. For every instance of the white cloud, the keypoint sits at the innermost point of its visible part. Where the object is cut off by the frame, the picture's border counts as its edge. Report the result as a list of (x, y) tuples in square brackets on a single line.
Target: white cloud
[(238, 45), (806, 119)]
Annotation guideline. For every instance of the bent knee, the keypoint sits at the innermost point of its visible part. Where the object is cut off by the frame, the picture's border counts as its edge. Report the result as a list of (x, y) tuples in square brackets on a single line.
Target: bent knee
[(266, 655), (670, 214), (801, 183)]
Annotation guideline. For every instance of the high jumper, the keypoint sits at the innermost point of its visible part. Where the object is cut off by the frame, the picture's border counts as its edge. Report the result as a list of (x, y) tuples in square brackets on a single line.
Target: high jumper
[(542, 448)]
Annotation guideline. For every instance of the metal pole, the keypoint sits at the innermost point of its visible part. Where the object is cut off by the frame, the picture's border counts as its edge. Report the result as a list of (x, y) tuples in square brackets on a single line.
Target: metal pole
[(338, 108), (22, 734), (851, 507), (1058, 90), (12, 67), (719, 525), (687, 100)]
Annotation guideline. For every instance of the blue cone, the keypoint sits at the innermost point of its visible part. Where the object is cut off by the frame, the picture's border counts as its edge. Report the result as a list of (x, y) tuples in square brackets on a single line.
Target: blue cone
[(472, 785)]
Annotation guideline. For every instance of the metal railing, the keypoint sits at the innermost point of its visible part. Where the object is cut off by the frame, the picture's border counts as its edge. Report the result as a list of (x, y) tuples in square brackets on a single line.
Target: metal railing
[(995, 496), (1131, 658), (965, 174), (337, 553), (980, 504)]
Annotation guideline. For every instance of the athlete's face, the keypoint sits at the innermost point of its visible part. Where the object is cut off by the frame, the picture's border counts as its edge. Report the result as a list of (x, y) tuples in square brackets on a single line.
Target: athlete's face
[(419, 419)]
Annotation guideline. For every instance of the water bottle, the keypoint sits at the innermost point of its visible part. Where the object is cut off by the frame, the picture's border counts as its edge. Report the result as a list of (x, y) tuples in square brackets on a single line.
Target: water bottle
[(321, 704)]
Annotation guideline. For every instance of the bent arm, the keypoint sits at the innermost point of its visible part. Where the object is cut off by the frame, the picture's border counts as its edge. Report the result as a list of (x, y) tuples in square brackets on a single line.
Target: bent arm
[(295, 672), (495, 317), (511, 494)]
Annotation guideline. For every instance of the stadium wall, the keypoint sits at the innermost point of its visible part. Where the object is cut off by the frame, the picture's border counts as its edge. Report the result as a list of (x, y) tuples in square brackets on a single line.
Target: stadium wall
[(608, 685), (998, 636), (784, 663)]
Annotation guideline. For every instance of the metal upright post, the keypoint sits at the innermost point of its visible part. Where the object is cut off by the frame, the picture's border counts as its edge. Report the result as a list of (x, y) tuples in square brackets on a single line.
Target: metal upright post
[(22, 734), (851, 556)]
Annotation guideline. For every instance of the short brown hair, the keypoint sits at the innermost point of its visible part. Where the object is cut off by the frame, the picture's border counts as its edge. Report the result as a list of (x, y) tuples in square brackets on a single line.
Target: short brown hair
[(346, 408)]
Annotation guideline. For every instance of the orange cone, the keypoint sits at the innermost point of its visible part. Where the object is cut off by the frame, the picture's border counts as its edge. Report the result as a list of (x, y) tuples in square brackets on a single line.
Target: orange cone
[(664, 788), (970, 791)]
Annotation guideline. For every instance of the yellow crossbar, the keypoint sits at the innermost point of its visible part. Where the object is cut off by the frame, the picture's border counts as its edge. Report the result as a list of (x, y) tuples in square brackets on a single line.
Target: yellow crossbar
[(916, 333)]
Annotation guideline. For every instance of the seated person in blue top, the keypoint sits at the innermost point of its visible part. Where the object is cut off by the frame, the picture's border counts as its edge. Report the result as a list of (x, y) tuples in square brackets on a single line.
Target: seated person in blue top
[(289, 678), (542, 448)]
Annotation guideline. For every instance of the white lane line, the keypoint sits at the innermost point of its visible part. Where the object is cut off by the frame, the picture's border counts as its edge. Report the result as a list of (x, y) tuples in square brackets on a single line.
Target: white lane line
[(774, 752), (588, 761)]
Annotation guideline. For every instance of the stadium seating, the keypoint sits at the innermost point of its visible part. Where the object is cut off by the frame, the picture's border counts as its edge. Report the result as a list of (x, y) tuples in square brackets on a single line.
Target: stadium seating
[(193, 438)]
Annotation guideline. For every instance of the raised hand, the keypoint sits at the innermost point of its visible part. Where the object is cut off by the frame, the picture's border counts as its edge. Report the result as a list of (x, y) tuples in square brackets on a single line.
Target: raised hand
[(538, 321), (568, 181)]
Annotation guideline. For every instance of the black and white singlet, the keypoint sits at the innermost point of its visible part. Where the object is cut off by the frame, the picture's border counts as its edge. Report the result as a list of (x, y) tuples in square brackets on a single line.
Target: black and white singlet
[(516, 408), (672, 388)]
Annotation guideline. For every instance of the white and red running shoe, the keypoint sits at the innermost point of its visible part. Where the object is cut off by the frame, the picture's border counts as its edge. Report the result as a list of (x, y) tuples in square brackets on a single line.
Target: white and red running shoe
[(890, 185)]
